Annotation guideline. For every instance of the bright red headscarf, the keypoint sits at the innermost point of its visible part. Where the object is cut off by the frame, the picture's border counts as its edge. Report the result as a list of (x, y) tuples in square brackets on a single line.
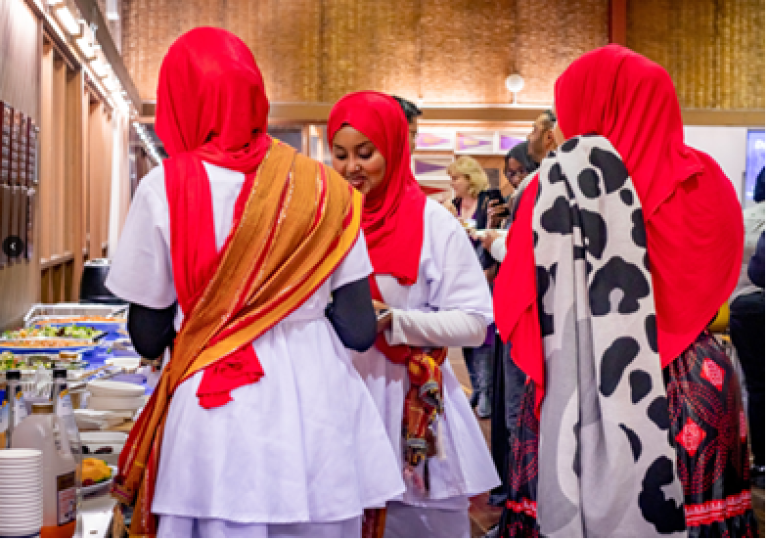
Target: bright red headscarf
[(393, 214), (211, 106), (692, 215)]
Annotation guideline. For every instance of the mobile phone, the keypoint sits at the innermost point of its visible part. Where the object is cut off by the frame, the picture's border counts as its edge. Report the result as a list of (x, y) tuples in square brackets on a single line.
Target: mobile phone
[(495, 198)]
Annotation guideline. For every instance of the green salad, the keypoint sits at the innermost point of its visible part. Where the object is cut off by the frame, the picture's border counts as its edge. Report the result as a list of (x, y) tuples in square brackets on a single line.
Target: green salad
[(8, 360), (73, 332)]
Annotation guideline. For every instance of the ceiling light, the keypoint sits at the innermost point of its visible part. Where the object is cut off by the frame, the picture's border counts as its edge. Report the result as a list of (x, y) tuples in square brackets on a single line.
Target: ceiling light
[(86, 48), (100, 69), (515, 83), (113, 11), (68, 20)]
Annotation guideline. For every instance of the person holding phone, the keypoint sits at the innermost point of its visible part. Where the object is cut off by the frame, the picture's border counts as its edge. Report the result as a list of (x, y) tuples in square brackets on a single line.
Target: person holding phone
[(472, 199)]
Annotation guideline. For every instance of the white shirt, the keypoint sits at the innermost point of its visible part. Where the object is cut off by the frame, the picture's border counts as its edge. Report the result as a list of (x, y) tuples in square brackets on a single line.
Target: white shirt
[(451, 287), (303, 444)]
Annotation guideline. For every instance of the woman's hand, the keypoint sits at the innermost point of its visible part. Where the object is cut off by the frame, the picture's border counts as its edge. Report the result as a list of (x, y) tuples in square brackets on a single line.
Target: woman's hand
[(497, 211), (490, 237), (384, 323)]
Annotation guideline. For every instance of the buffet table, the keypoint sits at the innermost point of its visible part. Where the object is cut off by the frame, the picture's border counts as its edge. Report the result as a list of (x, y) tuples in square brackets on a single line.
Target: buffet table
[(95, 519)]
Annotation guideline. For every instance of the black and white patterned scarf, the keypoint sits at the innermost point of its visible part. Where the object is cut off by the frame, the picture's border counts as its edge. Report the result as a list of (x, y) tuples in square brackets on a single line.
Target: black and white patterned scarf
[(607, 466)]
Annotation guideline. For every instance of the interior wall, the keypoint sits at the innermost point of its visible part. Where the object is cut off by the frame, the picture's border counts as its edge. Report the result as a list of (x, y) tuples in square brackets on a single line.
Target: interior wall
[(315, 51), (713, 49), (20, 49), (727, 145)]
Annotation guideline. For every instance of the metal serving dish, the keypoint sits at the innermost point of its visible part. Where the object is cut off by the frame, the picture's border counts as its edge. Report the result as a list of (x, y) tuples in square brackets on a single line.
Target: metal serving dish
[(52, 311), (39, 346)]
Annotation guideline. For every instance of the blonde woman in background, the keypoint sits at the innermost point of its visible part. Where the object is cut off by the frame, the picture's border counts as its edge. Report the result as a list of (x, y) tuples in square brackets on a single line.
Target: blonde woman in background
[(470, 186)]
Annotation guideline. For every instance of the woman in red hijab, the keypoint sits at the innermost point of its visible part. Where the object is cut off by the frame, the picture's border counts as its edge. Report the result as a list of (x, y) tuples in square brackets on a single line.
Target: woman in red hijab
[(242, 240), (625, 245), (430, 288)]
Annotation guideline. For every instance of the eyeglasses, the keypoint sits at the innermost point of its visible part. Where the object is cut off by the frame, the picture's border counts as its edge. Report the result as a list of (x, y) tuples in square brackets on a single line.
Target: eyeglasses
[(511, 173)]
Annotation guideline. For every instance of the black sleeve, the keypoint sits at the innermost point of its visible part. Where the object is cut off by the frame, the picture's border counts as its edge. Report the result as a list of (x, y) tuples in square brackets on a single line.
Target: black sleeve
[(352, 315), (756, 264), (151, 330)]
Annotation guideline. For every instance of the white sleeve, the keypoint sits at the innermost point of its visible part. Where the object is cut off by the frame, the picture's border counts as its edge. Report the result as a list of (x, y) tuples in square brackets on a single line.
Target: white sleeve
[(457, 282), (440, 329), (498, 249), (141, 271), (459, 307), (355, 266)]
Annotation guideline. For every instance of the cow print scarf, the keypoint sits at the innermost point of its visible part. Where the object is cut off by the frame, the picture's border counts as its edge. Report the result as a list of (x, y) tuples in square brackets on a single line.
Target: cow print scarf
[(607, 468)]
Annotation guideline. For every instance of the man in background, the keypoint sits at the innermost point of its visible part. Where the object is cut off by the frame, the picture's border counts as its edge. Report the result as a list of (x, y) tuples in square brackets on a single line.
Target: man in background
[(541, 139), (411, 113), (747, 328)]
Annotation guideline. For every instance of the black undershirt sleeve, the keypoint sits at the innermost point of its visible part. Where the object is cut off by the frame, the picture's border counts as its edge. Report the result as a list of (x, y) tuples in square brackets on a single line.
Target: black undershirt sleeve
[(151, 330), (352, 315)]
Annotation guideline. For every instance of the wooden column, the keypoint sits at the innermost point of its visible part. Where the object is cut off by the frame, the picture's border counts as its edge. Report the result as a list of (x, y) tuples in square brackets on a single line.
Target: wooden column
[(617, 22)]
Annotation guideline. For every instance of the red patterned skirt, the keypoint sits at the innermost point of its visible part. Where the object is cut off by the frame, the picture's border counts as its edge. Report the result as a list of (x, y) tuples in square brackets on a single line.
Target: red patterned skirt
[(708, 426)]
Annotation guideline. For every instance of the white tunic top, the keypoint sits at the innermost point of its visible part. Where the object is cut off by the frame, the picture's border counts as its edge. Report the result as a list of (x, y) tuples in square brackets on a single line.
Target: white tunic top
[(305, 443), (450, 282)]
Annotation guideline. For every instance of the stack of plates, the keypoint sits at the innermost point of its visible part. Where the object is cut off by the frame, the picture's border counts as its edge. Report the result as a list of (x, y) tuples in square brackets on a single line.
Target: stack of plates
[(21, 492), (115, 396)]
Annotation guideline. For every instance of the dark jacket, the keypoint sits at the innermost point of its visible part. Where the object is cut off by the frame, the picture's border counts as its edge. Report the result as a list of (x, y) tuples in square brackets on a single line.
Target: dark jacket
[(485, 259), (758, 266)]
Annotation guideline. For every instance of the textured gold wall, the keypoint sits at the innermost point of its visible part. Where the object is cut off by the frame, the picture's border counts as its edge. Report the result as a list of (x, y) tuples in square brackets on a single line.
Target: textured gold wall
[(442, 51), (713, 49)]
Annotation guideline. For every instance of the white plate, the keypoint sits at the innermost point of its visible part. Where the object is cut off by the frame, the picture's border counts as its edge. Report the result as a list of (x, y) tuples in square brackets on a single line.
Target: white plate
[(103, 437), (99, 403), (127, 363), (87, 490), (115, 389), (21, 453)]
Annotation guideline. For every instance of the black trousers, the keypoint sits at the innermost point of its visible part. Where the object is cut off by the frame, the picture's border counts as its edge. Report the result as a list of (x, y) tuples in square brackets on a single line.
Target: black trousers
[(747, 330)]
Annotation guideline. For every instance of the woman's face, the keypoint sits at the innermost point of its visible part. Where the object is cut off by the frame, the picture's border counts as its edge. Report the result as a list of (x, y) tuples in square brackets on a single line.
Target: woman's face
[(460, 184), (357, 159), (515, 172)]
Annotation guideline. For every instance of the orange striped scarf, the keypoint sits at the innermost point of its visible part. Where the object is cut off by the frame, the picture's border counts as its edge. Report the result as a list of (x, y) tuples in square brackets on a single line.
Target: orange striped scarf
[(300, 221)]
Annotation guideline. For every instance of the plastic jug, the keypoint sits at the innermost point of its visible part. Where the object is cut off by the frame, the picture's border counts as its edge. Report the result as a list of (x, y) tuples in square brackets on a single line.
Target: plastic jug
[(45, 431)]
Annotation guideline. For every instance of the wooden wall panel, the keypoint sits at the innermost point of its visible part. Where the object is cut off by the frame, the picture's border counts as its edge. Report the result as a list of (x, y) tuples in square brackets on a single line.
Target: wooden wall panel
[(459, 51), (20, 50), (713, 49), (318, 50)]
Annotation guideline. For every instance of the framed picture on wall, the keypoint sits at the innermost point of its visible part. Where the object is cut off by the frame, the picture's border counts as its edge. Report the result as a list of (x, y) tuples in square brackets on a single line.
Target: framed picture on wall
[(507, 140), (475, 142), (755, 146), (431, 167), (435, 140)]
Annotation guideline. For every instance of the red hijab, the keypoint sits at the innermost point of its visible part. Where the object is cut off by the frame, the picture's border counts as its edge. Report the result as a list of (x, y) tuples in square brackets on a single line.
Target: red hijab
[(211, 106), (393, 214), (692, 215)]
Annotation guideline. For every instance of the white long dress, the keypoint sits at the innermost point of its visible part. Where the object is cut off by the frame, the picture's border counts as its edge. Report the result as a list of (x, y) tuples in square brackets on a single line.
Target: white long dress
[(305, 444), (449, 305)]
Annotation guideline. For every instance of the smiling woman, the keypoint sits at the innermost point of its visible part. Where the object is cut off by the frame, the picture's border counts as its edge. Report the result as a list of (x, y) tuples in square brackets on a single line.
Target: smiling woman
[(358, 160), (426, 273)]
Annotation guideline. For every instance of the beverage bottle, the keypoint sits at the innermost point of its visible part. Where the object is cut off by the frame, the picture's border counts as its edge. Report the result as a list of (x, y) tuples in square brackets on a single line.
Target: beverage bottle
[(17, 409), (62, 406), (45, 431)]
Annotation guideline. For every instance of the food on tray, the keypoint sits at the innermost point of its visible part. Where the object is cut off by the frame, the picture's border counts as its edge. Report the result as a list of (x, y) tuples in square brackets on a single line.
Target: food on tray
[(51, 343), (95, 471), (84, 319), (8, 360), (76, 332)]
